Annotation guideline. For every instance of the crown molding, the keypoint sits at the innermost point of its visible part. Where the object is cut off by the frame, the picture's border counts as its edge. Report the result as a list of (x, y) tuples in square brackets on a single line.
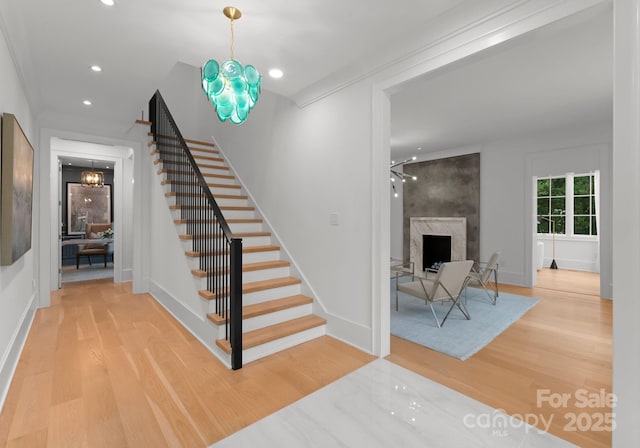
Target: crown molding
[(473, 27)]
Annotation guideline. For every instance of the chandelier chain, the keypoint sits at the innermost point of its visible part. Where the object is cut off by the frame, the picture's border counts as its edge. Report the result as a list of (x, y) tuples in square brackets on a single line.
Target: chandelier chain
[(232, 39)]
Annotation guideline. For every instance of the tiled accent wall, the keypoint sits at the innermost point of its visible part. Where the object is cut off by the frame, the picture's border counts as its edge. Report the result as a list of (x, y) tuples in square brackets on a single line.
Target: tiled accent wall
[(445, 188)]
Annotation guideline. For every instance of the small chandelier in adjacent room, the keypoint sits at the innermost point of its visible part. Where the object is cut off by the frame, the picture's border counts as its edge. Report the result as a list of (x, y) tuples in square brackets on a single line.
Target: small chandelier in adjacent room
[(232, 89), (395, 174), (92, 178)]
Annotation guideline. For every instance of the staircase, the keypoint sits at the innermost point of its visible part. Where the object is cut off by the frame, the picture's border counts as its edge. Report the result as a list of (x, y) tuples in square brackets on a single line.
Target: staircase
[(275, 315)]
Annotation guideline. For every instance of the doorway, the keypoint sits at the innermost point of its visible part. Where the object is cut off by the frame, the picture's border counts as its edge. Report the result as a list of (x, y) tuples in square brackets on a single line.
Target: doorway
[(566, 235), (85, 212), (120, 203)]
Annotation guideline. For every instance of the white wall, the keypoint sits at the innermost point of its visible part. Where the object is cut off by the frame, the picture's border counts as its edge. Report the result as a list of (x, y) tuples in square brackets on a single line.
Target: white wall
[(578, 254), (301, 165), (17, 282)]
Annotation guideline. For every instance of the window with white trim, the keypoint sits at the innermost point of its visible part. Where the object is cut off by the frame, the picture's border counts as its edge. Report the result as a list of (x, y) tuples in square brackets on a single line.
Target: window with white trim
[(552, 204), (584, 205), (566, 205)]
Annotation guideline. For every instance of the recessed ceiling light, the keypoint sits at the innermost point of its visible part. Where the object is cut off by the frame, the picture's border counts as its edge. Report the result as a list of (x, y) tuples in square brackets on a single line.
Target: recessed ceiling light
[(69, 163), (107, 166), (86, 103), (419, 148), (96, 68), (108, 2), (276, 73)]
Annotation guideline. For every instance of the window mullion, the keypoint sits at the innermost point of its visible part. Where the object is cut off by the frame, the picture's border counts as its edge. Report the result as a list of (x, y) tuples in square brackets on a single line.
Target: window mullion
[(568, 224)]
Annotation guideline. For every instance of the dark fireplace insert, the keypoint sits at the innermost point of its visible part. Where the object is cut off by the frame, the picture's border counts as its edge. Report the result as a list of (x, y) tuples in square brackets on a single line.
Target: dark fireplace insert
[(436, 249)]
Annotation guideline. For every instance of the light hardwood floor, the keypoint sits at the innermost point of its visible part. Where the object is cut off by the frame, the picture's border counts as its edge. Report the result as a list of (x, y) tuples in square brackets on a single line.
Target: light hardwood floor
[(564, 344), (570, 281), (105, 368)]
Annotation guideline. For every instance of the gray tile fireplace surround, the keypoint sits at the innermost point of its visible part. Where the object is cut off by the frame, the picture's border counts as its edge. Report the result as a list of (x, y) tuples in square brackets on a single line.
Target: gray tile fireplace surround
[(446, 188)]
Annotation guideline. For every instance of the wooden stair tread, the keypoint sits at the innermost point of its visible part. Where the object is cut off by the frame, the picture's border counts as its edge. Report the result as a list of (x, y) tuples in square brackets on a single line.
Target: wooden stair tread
[(222, 207), (273, 332), (217, 176), (229, 221), (187, 140), (248, 267), (156, 151), (175, 162), (218, 196), (148, 123), (236, 235), (211, 185), (244, 221), (245, 250), (199, 142), (260, 309), (198, 156), (260, 285)]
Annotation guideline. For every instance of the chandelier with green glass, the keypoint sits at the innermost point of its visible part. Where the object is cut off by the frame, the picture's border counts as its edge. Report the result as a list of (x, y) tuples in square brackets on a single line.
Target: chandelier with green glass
[(232, 88)]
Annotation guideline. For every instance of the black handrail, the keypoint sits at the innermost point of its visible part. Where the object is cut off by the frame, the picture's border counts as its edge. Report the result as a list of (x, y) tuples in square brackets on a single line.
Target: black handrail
[(219, 251)]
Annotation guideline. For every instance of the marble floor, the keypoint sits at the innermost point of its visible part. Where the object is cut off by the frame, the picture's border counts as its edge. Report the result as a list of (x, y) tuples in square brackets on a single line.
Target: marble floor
[(384, 405)]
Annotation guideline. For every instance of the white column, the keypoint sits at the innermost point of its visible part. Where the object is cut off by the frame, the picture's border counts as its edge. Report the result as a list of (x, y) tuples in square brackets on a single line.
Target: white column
[(626, 222)]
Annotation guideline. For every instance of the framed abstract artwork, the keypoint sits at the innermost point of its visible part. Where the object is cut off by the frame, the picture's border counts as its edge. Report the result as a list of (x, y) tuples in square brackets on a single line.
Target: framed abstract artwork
[(86, 205), (16, 194)]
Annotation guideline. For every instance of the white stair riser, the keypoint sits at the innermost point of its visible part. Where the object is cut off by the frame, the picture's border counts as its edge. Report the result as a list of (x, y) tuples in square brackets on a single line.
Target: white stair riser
[(251, 276), (263, 350), (265, 274), (238, 214), (222, 190), (242, 227), (202, 150), (265, 320), (253, 257), (214, 190), (246, 242), (210, 180), (242, 202), (219, 166), (214, 168), (231, 201), (198, 156), (182, 229), (270, 294), (228, 214)]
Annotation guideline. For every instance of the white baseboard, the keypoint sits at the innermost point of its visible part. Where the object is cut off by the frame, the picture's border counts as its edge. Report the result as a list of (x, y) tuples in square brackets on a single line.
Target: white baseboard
[(127, 275), (574, 265), (199, 327), (14, 350), (344, 330), (511, 278)]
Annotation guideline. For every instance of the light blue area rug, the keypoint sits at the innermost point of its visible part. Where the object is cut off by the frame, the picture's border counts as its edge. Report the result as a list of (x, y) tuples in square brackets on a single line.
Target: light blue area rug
[(458, 337)]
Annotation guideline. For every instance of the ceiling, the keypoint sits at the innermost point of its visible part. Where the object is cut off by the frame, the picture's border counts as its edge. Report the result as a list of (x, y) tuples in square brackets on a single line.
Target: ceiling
[(137, 42), (86, 163), (555, 77)]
